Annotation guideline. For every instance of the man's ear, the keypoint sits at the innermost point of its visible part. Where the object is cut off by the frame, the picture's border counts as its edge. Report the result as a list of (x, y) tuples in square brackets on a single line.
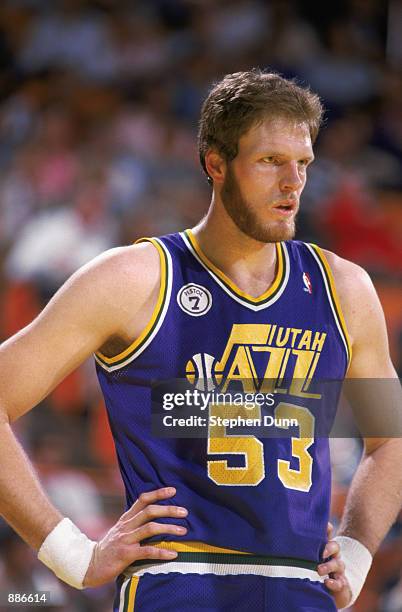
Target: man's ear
[(215, 165)]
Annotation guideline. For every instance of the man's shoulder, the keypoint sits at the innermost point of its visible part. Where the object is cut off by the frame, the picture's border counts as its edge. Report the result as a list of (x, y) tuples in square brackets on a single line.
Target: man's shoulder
[(139, 261), (350, 278), (120, 276), (357, 295)]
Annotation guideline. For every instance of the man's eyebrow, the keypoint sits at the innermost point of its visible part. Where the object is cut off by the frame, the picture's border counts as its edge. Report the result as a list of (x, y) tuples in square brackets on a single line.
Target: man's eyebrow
[(273, 153)]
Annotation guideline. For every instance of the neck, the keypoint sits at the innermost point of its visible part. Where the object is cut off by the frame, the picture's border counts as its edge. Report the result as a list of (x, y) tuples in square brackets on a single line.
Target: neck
[(250, 264)]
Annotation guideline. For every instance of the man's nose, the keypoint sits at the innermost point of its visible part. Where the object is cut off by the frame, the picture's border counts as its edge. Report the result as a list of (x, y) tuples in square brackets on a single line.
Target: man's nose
[(292, 178)]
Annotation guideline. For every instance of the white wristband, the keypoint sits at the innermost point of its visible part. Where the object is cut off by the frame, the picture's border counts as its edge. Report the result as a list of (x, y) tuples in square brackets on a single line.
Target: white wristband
[(357, 560), (67, 552)]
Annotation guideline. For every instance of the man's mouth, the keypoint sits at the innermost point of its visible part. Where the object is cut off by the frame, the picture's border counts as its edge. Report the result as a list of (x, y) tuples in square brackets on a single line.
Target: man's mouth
[(285, 207)]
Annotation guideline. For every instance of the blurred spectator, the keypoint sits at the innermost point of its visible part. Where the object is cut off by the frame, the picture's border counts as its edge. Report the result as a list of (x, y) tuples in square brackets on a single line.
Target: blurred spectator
[(392, 601), (20, 572), (342, 74), (71, 34), (70, 489)]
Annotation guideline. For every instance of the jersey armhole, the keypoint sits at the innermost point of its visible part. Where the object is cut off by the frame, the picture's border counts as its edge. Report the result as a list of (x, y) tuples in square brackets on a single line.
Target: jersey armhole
[(333, 298), (148, 333)]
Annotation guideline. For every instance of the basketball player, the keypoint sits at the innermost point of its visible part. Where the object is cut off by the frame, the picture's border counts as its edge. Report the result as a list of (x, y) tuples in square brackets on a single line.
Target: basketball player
[(230, 522)]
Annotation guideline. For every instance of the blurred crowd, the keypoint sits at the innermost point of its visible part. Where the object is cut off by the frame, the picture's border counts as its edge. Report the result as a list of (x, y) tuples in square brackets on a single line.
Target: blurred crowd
[(99, 102)]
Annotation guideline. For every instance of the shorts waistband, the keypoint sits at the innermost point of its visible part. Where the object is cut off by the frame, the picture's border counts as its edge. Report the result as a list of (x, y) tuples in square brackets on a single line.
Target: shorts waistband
[(200, 558)]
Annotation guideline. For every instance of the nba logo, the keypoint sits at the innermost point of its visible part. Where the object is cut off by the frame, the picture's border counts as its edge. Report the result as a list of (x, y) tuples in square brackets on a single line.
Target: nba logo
[(307, 283)]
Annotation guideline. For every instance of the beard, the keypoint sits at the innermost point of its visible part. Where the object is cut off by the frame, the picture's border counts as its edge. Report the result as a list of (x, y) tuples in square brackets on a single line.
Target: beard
[(247, 220)]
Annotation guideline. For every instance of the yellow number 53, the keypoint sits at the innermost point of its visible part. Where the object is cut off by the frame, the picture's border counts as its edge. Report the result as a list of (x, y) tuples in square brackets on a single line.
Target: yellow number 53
[(252, 449)]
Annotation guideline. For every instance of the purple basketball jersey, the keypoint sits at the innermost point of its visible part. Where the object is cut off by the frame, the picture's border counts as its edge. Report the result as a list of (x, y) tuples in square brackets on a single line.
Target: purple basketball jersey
[(268, 494)]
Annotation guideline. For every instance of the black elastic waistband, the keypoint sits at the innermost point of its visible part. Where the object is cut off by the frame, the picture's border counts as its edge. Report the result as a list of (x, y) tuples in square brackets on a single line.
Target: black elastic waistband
[(234, 559)]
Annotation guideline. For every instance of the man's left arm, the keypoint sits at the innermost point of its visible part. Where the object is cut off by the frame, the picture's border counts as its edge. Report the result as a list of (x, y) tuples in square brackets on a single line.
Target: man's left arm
[(375, 495)]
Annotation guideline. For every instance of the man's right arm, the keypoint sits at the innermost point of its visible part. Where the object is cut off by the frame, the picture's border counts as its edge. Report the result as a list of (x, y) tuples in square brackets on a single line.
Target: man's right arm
[(103, 299)]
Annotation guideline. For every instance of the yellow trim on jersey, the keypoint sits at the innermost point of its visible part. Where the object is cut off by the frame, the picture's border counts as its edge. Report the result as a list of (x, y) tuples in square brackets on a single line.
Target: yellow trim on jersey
[(191, 546), (156, 312), (230, 284), (335, 299), (132, 593)]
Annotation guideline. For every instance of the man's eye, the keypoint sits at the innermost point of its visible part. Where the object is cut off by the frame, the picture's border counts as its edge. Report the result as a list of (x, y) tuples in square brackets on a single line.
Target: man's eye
[(270, 159)]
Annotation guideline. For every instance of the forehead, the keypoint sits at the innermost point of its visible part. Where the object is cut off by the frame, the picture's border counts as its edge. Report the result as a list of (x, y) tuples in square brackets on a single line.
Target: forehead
[(277, 135)]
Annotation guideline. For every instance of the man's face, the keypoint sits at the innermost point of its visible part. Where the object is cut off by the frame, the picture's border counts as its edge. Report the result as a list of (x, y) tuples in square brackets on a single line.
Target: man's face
[(263, 184)]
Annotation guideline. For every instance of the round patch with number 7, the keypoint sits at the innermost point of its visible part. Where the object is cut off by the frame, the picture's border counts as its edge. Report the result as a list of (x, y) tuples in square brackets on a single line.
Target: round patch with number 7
[(194, 299)]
